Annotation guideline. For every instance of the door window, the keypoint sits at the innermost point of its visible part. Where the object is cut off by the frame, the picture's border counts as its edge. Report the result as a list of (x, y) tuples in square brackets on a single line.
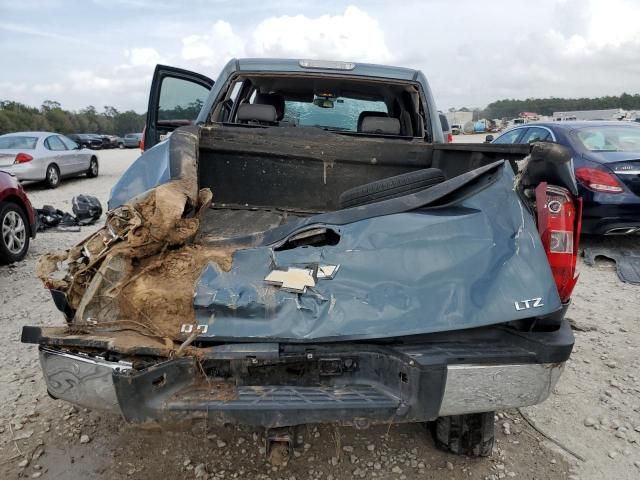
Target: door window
[(54, 143), (70, 144), (509, 137), (536, 134), (180, 99)]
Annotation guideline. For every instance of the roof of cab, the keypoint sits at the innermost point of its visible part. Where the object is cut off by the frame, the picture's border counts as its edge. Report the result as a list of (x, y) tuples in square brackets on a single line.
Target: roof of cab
[(293, 65)]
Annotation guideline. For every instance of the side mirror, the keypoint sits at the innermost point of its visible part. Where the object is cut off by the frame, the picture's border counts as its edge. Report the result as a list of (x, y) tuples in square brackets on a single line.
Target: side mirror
[(488, 139)]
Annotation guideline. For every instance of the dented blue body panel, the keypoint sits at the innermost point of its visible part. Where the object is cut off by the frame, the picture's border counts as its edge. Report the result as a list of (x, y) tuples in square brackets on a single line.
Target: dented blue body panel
[(417, 272), (151, 169)]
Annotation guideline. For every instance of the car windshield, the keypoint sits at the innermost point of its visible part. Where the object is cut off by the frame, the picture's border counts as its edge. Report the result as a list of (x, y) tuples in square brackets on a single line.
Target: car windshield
[(18, 142), (610, 139), (333, 113)]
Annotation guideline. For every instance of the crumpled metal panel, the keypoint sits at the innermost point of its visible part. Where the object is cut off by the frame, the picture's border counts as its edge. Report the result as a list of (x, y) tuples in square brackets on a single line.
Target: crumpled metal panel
[(408, 273)]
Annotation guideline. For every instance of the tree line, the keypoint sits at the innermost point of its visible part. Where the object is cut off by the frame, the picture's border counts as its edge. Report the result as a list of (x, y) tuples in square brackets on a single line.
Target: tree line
[(51, 117), (546, 106), (15, 116)]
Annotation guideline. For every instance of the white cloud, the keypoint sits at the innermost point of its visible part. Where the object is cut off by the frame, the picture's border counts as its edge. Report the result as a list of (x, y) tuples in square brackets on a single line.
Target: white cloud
[(609, 26), (47, 88), (146, 57), (213, 48), (354, 35), (12, 88)]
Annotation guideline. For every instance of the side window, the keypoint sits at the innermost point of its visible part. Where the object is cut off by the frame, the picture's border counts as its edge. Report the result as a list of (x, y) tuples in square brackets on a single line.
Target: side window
[(53, 143), (444, 122), (70, 144), (509, 137), (536, 134), (227, 105), (180, 100)]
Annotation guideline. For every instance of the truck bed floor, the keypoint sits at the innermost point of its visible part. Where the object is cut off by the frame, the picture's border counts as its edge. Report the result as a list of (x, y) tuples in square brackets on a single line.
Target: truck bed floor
[(225, 221)]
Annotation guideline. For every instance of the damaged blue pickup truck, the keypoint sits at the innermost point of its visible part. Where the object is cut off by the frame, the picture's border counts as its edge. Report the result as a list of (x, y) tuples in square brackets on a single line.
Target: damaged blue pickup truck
[(297, 244)]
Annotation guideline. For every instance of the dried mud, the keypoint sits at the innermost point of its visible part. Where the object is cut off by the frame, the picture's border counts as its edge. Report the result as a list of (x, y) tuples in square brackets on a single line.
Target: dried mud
[(136, 275)]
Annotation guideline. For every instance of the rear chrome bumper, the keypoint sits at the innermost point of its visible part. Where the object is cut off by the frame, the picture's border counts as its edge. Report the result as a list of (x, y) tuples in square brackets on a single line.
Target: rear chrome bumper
[(89, 382), (483, 388), (82, 380)]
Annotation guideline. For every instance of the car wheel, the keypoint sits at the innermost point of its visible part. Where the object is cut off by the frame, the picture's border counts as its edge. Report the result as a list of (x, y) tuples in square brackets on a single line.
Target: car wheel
[(391, 187), (93, 168), (14, 233), (52, 177), (471, 435), (121, 146)]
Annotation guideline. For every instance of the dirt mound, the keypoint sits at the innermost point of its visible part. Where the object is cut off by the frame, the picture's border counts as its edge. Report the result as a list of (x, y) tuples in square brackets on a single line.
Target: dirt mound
[(161, 290)]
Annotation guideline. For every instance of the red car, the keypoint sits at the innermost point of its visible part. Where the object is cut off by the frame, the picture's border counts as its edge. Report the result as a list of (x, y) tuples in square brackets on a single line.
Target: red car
[(17, 220)]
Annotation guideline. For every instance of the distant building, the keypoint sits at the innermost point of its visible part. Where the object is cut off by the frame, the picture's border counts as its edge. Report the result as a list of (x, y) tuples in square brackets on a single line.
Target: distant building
[(459, 118), (609, 114)]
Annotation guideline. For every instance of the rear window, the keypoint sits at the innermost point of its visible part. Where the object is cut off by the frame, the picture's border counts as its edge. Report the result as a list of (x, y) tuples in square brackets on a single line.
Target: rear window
[(610, 139), (339, 113), (18, 142)]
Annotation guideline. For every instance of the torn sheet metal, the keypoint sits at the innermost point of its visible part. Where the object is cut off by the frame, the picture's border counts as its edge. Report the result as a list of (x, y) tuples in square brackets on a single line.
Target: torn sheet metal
[(416, 272)]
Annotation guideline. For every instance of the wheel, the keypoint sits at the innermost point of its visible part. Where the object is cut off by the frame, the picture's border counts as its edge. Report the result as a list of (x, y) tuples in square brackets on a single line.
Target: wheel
[(93, 168), (391, 187), (471, 435), (121, 146), (14, 233), (52, 177)]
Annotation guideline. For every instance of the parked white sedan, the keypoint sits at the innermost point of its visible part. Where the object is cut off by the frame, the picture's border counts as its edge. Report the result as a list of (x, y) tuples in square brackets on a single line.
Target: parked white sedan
[(45, 156)]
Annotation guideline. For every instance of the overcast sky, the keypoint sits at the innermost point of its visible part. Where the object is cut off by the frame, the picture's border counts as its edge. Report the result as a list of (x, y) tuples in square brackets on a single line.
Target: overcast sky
[(102, 52)]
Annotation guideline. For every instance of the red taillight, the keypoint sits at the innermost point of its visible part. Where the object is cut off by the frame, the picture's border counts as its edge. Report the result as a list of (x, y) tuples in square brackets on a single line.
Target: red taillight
[(141, 142), (598, 180), (449, 137), (23, 158), (559, 223)]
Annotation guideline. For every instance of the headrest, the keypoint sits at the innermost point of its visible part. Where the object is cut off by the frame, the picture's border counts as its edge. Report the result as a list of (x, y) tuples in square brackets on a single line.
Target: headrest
[(274, 99), (371, 113), (381, 125), (256, 113)]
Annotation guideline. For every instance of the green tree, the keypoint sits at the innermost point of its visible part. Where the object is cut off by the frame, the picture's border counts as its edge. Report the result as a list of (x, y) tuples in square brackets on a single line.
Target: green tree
[(15, 116)]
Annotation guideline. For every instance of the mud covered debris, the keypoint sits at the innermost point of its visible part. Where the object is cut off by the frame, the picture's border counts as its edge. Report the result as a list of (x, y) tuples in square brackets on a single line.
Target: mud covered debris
[(137, 272)]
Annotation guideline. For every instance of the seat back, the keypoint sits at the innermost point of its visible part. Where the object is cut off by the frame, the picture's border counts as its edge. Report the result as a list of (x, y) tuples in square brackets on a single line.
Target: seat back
[(257, 114)]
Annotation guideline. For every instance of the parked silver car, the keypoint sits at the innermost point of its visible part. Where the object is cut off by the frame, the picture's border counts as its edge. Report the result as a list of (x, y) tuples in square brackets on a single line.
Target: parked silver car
[(131, 140), (45, 156)]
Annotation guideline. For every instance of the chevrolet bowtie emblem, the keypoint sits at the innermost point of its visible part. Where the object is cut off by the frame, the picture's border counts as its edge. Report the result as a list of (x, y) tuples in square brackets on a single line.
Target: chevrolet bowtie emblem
[(297, 280)]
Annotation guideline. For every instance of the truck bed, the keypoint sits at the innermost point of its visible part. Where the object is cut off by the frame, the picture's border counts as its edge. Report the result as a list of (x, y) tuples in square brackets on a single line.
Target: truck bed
[(306, 169)]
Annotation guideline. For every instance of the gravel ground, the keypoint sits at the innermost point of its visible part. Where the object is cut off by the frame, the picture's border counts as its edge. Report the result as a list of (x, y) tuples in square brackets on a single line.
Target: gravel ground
[(594, 411)]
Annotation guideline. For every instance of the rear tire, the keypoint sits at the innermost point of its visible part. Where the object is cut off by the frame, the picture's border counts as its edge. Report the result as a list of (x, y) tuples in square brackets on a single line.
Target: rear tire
[(94, 168), (472, 435), (391, 187), (52, 176), (14, 233), (121, 146)]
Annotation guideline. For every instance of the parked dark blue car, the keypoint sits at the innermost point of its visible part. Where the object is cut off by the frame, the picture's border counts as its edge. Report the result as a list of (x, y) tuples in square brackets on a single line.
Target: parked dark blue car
[(606, 158)]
